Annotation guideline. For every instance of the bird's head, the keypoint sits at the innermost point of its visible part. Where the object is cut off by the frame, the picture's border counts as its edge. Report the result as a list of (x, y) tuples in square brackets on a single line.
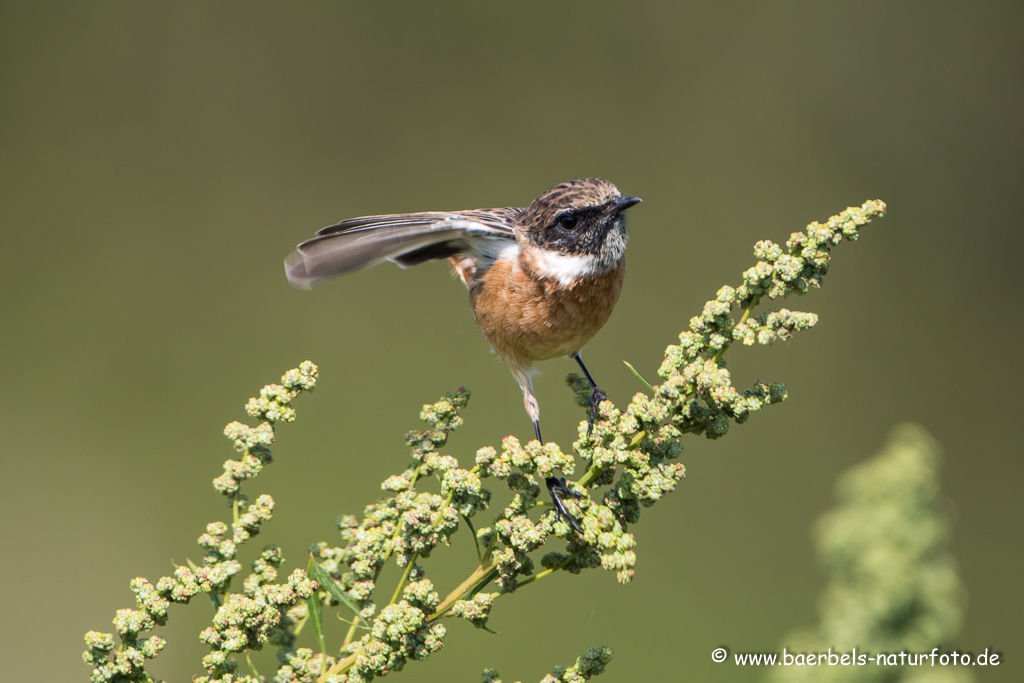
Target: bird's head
[(579, 218)]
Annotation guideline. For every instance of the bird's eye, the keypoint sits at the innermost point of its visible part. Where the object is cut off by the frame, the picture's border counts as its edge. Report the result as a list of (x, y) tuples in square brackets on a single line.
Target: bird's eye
[(567, 221)]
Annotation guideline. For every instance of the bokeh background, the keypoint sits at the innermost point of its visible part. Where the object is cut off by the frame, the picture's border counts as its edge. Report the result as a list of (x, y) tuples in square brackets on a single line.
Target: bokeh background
[(159, 161)]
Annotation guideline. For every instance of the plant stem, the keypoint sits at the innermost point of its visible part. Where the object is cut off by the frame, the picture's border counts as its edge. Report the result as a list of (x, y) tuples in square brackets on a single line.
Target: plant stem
[(546, 572), (403, 580), (743, 318), (481, 574)]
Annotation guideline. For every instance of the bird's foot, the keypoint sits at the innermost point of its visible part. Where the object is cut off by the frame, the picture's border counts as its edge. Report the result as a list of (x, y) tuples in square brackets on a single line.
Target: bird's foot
[(596, 396), (557, 489)]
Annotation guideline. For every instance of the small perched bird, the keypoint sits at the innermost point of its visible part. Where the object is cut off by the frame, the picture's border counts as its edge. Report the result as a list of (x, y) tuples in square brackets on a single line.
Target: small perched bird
[(542, 280)]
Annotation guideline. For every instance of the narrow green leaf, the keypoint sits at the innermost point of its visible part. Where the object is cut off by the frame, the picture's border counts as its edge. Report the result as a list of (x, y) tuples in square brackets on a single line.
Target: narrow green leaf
[(327, 583), (646, 383), (316, 615), (252, 667), (472, 530)]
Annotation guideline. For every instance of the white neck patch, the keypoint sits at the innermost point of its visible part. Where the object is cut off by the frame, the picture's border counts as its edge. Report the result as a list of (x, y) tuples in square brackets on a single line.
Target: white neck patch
[(566, 267)]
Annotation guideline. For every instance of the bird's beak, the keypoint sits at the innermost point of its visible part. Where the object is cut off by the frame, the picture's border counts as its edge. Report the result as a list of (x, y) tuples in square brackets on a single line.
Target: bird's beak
[(623, 203)]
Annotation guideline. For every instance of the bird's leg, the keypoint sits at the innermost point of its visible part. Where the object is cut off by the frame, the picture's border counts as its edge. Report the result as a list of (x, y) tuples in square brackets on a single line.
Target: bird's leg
[(524, 375), (557, 489), (596, 395), (556, 486)]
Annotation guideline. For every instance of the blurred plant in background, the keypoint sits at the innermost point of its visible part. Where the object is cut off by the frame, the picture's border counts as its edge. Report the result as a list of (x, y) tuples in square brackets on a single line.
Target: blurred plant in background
[(631, 454), (893, 582)]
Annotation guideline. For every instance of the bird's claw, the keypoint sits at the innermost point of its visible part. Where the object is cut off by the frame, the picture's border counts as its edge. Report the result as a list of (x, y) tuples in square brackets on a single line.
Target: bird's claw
[(557, 489), (596, 396)]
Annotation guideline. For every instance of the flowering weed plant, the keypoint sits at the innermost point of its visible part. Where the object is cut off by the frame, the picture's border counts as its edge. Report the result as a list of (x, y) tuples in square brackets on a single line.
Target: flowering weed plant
[(629, 461)]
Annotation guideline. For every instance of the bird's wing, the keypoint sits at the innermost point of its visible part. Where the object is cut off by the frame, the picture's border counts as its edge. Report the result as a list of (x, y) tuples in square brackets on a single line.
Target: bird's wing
[(406, 239)]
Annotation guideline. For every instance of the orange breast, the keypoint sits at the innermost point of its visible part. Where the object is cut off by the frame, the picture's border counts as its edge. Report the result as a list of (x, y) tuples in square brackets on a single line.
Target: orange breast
[(526, 318)]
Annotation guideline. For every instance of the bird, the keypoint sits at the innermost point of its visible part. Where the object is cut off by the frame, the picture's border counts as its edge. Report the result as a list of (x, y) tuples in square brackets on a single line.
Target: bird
[(542, 279)]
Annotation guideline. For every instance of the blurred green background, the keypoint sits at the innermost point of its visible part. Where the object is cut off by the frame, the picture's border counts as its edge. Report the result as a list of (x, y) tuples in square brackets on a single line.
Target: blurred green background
[(159, 161)]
